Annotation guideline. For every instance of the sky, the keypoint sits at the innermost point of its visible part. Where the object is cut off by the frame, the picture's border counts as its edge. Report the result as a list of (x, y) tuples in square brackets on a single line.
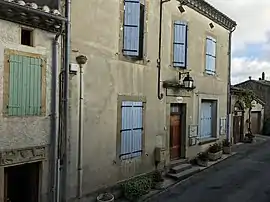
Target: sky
[(251, 39)]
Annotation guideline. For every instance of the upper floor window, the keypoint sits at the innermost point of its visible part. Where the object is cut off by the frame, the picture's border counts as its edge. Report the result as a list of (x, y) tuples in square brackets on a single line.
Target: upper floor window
[(210, 64), (133, 32), (180, 44), (24, 85)]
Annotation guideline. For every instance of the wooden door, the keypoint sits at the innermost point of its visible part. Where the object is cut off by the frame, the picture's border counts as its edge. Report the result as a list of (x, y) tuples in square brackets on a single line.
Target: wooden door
[(175, 132), (255, 122), (237, 128)]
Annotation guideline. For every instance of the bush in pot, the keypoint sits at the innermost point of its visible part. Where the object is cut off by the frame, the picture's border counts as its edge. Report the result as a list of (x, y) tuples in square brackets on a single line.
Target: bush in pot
[(202, 159), (227, 146), (157, 180), (137, 187), (215, 152)]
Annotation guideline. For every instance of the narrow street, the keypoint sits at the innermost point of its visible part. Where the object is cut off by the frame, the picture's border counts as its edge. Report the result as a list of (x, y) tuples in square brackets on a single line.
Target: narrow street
[(242, 178)]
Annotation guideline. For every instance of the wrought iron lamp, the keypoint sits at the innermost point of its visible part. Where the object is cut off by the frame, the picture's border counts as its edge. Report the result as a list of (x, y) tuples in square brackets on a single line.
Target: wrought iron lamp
[(188, 82)]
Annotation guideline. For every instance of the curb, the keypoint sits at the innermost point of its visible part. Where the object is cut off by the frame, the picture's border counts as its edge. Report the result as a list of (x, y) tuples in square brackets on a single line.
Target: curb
[(184, 180)]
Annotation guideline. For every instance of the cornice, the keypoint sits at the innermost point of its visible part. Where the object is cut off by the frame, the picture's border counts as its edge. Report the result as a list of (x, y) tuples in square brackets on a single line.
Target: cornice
[(210, 12)]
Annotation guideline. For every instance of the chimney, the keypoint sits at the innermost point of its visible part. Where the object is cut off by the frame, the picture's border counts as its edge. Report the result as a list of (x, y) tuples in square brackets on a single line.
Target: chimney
[(249, 77), (263, 76)]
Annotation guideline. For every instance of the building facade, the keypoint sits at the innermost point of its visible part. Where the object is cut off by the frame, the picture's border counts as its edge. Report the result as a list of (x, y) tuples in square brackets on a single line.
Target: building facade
[(26, 35), (124, 119)]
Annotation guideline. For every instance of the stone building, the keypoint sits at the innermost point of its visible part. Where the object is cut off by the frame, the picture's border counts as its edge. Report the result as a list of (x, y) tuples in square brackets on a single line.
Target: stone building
[(261, 88), (124, 118), (27, 31)]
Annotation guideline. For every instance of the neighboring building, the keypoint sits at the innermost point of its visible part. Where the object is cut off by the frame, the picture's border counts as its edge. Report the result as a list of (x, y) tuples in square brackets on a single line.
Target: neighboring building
[(241, 115), (26, 35), (124, 121), (261, 88)]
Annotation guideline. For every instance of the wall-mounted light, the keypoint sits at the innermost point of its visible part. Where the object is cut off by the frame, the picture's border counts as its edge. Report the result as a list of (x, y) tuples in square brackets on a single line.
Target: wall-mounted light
[(188, 82), (211, 25)]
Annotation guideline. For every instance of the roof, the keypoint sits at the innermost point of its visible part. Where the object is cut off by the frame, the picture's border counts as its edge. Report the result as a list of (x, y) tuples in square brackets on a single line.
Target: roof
[(260, 82), (31, 14), (204, 8), (237, 91)]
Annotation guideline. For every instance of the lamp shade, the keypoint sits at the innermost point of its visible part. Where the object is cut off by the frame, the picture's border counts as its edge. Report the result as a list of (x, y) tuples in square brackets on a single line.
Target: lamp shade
[(188, 82)]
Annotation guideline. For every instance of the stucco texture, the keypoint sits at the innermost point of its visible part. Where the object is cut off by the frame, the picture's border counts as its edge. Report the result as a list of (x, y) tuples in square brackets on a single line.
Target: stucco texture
[(95, 33)]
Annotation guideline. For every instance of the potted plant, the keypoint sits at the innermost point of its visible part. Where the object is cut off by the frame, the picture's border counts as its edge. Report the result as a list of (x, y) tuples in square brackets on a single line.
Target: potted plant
[(157, 180), (202, 159), (135, 188), (249, 137), (105, 197), (215, 152), (227, 146)]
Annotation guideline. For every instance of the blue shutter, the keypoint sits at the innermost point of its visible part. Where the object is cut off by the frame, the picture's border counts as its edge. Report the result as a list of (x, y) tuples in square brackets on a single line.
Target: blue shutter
[(210, 55), (131, 27), (132, 128), (180, 44), (206, 120)]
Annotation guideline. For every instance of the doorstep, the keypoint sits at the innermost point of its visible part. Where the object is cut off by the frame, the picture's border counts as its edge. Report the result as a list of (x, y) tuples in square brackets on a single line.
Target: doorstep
[(169, 182)]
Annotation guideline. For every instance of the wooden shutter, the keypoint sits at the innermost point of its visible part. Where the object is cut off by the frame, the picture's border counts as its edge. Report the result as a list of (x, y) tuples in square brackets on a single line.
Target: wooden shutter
[(206, 120), (25, 81), (131, 27), (210, 55), (132, 129), (180, 44)]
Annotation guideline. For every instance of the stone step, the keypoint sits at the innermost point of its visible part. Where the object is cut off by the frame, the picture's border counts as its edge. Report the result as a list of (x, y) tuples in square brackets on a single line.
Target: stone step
[(180, 168), (178, 162), (184, 174)]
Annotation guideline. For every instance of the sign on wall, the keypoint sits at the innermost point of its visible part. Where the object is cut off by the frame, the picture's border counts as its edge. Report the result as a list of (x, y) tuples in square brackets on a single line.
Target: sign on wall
[(222, 126)]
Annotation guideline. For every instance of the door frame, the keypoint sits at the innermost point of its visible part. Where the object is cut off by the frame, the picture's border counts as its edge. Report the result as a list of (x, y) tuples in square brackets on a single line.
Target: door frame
[(183, 115)]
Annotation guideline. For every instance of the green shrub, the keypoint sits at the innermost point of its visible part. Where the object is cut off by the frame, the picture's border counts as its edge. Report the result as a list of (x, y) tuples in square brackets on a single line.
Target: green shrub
[(215, 148), (203, 156), (156, 177), (137, 187)]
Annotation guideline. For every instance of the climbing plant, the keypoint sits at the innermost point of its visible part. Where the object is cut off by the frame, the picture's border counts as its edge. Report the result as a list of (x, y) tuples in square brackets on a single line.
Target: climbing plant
[(247, 97)]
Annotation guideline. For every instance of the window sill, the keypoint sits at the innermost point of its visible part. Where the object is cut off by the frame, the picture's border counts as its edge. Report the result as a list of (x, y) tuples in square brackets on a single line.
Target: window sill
[(134, 60), (207, 140), (210, 74)]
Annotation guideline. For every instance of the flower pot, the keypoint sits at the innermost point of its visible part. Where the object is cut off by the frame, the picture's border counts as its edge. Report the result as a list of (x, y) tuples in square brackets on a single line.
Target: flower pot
[(214, 156), (106, 197), (202, 163), (227, 150)]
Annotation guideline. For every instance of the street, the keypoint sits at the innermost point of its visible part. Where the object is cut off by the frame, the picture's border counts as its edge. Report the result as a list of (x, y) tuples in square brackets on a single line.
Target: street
[(242, 178)]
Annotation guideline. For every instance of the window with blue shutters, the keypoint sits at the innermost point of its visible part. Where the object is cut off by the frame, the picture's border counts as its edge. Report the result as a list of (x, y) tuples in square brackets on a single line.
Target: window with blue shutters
[(180, 44), (210, 65), (131, 133), (133, 31), (25, 85)]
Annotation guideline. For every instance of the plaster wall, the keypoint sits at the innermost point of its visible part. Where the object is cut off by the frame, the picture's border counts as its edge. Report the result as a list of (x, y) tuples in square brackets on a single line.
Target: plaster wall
[(96, 29)]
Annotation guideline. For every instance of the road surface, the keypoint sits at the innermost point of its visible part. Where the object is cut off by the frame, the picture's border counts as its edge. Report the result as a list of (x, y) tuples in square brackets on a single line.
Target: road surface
[(242, 178)]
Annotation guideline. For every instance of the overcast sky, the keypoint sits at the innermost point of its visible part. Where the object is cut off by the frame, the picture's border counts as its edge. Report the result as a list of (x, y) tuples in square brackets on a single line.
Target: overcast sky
[(251, 40)]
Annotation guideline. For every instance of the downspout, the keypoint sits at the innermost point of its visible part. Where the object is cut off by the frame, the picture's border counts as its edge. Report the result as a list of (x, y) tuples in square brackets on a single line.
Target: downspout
[(54, 119), (159, 94), (81, 60), (229, 86), (64, 176)]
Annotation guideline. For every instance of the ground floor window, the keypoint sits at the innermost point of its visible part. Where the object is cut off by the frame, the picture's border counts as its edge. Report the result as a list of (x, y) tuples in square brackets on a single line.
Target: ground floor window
[(131, 130), (208, 118)]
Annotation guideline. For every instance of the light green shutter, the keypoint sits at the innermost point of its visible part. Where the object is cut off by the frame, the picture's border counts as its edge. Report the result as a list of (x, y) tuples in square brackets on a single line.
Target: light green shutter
[(25, 86)]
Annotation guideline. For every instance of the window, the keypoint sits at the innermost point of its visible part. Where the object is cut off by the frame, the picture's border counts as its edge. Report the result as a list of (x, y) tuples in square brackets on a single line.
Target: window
[(210, 66), (26, 37), (131, 133), (133, 32), (180, 44), (25, 85), (208, 119)]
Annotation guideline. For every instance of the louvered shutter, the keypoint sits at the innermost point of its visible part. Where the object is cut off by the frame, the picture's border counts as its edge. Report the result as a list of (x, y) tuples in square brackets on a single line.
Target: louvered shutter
[(180, 44), (131, 27)]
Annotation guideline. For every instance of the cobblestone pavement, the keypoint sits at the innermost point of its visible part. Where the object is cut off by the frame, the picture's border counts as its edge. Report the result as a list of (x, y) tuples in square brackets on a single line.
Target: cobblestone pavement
[(242, 178)]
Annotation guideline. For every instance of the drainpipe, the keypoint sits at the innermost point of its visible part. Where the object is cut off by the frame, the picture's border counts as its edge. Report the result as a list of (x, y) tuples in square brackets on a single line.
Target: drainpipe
[(81, 60), (64, 171), (229, 86), (54, 120), (159, 94)]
